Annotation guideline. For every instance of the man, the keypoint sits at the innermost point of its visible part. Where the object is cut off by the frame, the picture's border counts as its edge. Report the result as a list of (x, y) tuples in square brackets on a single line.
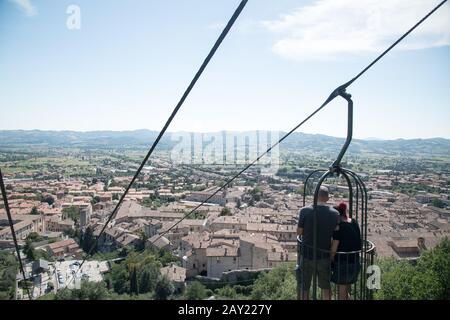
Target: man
[(327, 221)]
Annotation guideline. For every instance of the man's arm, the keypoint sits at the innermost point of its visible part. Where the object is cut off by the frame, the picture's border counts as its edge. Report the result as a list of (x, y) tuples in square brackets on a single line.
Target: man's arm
[(299, 231)]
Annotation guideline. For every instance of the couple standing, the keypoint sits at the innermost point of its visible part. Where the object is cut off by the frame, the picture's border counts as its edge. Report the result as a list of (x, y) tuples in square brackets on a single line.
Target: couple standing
[(338, 237)]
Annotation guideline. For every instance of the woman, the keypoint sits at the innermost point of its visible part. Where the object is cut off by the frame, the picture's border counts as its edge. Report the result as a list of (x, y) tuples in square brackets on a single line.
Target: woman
[(345, 252)]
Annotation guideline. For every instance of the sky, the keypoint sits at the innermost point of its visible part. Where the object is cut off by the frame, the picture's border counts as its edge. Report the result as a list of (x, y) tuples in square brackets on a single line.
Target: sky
[(128, 63)]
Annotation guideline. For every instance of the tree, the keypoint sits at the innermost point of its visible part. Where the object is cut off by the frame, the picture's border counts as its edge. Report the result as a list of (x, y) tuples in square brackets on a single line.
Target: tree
[(64, 294), (34, 211), (429, 279), (195, 291), (243, 289), (138, 273), (120, 279), (134, 289), (75, 234), (277, 284), (50, 287), (34, 237), (87, 291), (395, 279), (142, 240), (49, 199), (145, 282), (71, 212), (148, 278), (256, 193), (226, 292), (8, 271), (29, 250), (163, 288), (88, 240), (225, 212), (91, 291), (436, 263), (438, 203), (166, 257)]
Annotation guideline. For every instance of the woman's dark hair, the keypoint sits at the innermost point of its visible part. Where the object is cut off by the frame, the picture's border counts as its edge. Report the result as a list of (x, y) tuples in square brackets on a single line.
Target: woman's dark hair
[(342, 209)]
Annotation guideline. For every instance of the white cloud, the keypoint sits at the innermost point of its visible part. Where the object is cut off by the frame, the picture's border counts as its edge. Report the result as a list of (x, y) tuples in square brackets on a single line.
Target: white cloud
[(26, 7), (328, 29)]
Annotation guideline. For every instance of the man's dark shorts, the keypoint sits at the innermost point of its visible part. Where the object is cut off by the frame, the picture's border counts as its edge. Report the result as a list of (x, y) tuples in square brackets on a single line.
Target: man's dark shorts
[(305, 273)]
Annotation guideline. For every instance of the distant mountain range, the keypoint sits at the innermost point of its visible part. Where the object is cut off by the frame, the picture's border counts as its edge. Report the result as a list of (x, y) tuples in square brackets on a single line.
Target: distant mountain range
[(298, 142)]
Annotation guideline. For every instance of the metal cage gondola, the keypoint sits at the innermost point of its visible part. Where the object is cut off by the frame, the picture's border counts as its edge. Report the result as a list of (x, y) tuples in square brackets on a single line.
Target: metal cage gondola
[(357, 200)]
